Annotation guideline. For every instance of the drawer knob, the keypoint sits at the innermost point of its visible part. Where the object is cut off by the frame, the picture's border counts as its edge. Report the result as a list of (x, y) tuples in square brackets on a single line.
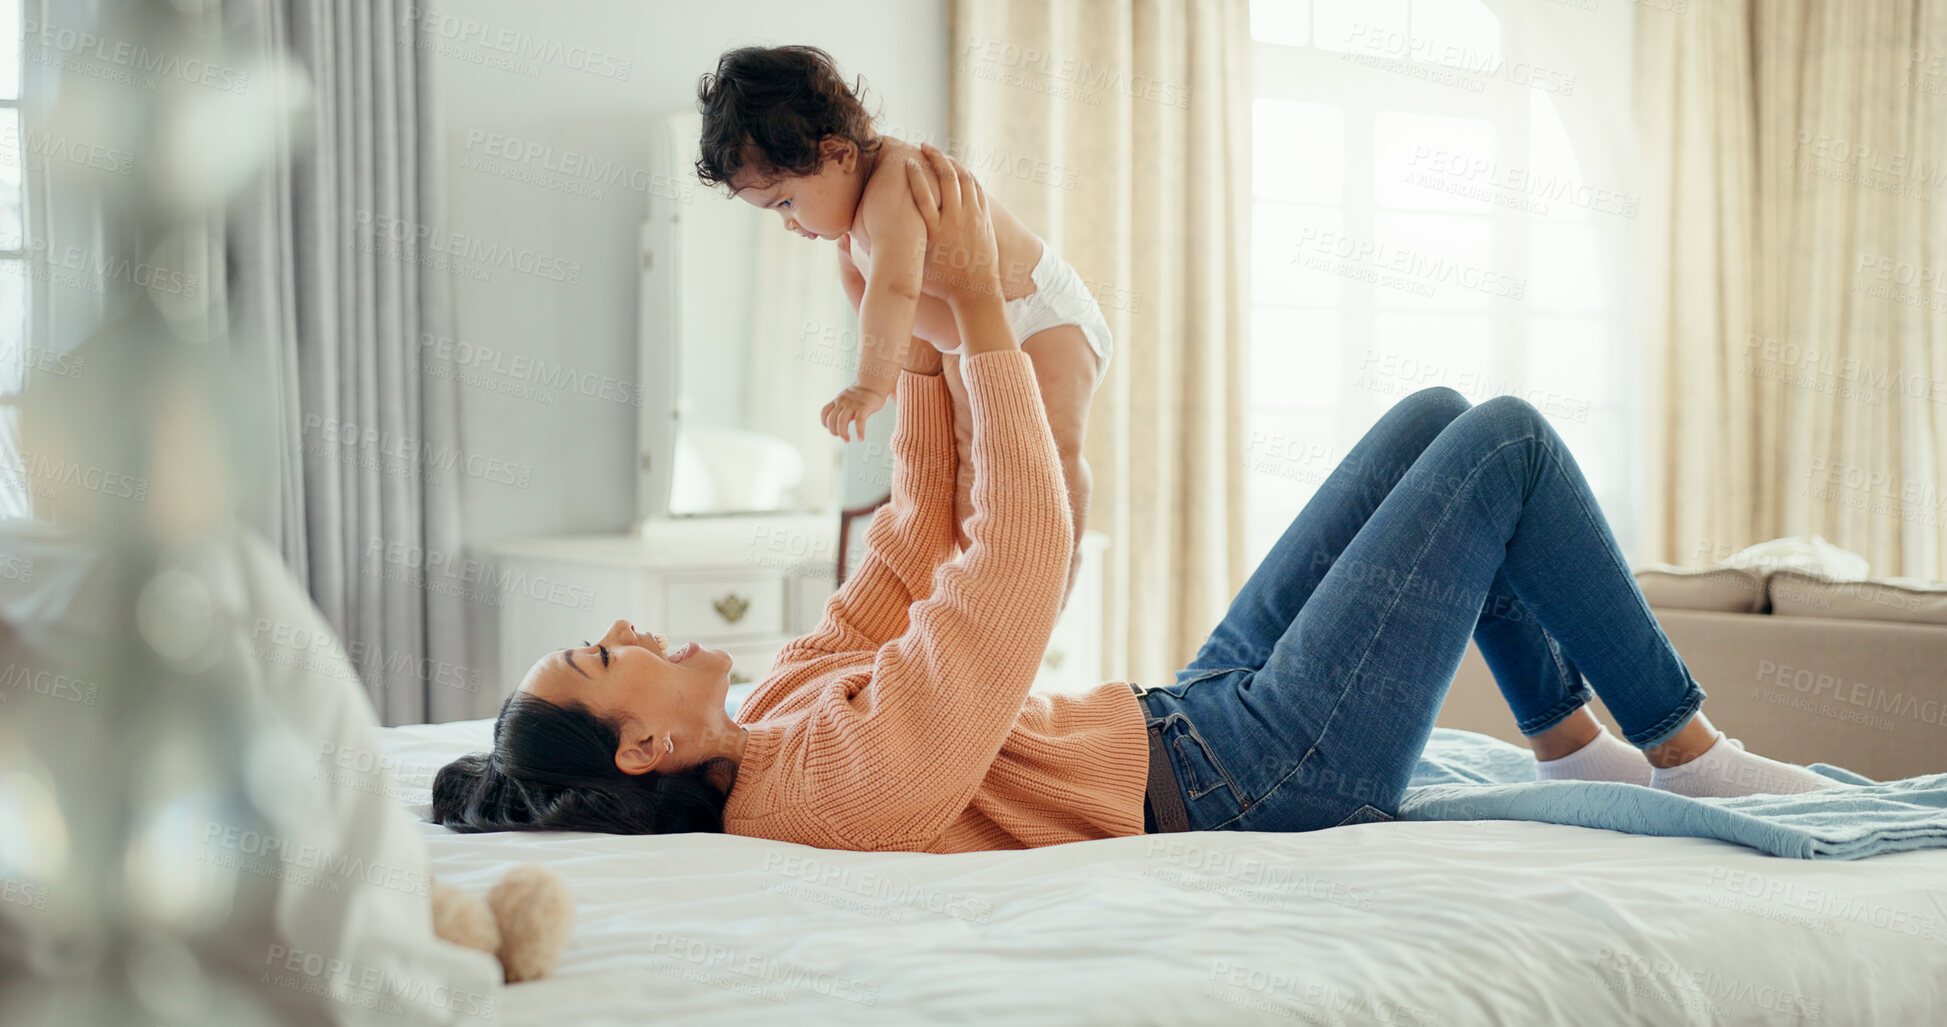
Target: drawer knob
[(1053, 658), (731, 607)]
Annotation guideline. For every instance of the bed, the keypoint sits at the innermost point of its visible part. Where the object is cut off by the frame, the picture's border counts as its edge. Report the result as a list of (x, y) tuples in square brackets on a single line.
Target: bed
[(1425, 923)]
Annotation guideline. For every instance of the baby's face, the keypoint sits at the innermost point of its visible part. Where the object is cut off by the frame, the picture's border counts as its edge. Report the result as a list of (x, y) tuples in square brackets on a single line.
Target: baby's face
[(817, 206)]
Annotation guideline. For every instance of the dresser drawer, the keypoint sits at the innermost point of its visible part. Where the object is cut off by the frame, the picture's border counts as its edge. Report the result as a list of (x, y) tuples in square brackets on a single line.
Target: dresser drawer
[(723, 607)]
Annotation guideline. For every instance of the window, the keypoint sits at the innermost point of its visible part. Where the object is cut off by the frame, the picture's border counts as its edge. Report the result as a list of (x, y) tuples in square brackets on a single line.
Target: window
[(13, 265), (1422, 216)]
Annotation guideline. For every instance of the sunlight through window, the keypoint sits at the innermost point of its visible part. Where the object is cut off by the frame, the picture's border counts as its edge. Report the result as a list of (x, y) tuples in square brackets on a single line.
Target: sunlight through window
[(1422, 216)]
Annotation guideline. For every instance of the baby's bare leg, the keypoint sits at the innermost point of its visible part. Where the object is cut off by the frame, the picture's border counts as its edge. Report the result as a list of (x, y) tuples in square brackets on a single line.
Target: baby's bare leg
[(956, 388), (1064, 371), (1065, 368)]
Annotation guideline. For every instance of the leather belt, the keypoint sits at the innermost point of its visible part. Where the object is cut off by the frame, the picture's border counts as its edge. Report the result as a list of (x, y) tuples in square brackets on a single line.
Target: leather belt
[(1163, 809)]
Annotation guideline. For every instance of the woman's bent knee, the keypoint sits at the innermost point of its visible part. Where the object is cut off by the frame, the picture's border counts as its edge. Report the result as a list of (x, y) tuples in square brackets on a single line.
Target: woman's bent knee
[(1512, 413), (1436, 399)]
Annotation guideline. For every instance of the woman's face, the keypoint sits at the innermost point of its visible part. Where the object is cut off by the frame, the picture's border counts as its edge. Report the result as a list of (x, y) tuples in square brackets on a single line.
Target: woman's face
[(630, 677)]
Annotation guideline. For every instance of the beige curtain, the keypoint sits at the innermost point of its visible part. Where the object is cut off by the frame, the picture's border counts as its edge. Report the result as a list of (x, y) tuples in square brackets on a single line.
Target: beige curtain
[(1797, 329), (1119, 131)]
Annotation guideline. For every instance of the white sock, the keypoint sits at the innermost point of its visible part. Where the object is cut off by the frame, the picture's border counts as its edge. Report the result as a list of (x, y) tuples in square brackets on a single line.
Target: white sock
[(1604, 758), (1726, 770)]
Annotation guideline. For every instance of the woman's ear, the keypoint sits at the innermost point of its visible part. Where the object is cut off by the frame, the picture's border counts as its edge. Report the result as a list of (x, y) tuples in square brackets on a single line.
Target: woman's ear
[(639, 752)]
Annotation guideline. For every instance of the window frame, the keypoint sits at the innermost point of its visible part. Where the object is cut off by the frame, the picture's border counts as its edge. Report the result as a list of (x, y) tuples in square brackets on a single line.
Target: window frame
[(15, 497)]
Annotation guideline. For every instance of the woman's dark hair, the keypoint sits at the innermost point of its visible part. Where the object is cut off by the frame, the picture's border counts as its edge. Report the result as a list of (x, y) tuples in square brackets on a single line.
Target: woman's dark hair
[(769, 107), (553, 769)]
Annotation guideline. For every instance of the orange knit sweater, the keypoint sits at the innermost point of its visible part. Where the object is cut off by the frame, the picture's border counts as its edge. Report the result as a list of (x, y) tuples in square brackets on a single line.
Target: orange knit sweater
[(904, 720)]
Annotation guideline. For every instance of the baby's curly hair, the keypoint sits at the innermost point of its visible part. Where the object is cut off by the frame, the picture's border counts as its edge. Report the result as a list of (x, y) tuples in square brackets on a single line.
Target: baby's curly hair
[(768, 108)]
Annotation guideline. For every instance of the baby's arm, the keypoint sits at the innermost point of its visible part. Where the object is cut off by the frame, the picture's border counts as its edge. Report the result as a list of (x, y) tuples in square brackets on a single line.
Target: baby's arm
[(890, 302), (848, 273), (922, 359), (932, 321)]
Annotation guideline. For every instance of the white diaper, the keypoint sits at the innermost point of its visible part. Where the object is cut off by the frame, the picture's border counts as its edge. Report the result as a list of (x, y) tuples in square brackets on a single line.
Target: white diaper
[(1060, 298)]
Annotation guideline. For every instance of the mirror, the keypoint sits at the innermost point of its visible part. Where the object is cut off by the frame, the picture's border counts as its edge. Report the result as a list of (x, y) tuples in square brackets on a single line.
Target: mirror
[(755, 341)]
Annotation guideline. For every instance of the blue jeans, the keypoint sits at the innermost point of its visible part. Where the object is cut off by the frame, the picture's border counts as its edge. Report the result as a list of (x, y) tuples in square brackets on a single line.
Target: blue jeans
[(1310, 703)]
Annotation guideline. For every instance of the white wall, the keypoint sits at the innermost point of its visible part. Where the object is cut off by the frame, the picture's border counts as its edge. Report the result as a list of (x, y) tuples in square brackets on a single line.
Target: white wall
[(578, 452)]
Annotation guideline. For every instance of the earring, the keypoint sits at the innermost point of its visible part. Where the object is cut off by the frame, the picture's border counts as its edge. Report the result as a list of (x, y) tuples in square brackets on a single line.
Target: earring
[(669, 743)]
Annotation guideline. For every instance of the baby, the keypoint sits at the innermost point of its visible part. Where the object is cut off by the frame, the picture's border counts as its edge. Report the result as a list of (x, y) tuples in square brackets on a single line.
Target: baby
[(783, 132)]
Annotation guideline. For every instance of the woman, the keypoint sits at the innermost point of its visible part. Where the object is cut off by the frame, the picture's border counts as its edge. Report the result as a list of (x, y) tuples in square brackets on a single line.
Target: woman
[(903, 721)]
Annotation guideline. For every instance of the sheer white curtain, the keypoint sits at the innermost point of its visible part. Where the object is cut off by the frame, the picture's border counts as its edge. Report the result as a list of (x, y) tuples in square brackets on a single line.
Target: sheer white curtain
[(1443, 195), (335, 275), (1119, 130), (1799, 319), (45, 312)]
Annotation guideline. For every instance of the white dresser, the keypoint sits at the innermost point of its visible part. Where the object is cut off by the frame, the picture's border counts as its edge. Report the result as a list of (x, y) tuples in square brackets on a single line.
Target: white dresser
[(746, 585)]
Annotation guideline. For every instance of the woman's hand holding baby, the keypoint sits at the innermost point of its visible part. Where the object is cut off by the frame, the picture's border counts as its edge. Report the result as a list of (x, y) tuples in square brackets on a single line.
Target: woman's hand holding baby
[(962, 255), (960, 248)]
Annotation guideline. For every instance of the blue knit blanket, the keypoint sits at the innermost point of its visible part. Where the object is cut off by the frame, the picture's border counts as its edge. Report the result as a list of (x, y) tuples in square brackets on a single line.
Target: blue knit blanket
[(1464, 775)]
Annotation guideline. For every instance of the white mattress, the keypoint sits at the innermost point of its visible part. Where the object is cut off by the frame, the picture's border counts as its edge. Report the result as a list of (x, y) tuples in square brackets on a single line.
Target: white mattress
[(1402, 924)]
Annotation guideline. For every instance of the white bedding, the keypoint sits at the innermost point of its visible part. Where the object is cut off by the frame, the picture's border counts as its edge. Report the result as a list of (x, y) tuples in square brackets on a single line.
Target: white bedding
[(1402, 924)]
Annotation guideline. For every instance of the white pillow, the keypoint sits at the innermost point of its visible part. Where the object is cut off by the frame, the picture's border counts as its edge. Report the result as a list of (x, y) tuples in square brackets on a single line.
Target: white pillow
[(1813, 555), (316, 878)]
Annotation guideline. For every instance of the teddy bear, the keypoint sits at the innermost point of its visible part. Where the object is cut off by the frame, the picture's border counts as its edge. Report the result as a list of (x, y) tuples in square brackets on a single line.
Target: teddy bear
[(524, 920)]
